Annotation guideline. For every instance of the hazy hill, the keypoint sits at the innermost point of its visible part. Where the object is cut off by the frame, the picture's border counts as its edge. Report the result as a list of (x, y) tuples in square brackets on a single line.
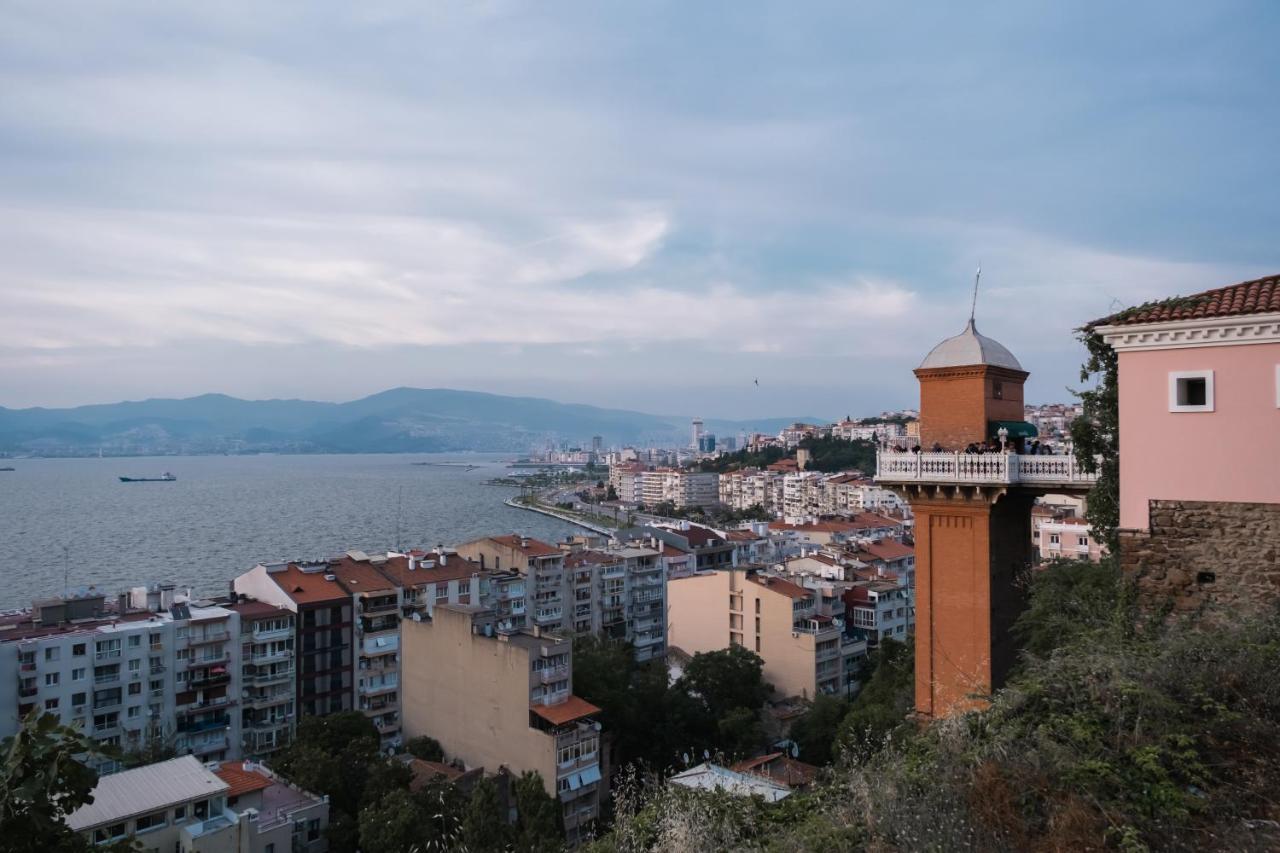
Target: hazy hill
[(398, 420)]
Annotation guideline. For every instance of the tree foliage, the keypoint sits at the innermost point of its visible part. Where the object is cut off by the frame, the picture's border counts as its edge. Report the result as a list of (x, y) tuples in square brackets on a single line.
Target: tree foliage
[(815, 732), (45, 779), (538, 827), (1096, 436), (726, 679), (484, 827), (1069, 599), (425, 748), (879, 713)]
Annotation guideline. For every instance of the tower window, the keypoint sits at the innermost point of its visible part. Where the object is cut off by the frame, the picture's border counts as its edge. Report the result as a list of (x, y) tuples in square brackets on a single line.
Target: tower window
[(997, 390), (1191, 391)]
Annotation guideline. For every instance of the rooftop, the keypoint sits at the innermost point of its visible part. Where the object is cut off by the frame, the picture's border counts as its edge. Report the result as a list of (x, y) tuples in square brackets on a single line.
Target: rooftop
[(968, 349), (1260, 296), (429, 569), (780, 768), (147, 789), (571, 709), (780, 586), (308, 587), (241, 780), (360, 575), (526, 545), (713, 777)]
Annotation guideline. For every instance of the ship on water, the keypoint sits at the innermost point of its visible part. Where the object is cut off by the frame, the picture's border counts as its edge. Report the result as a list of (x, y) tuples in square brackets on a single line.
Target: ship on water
[(166, 477)]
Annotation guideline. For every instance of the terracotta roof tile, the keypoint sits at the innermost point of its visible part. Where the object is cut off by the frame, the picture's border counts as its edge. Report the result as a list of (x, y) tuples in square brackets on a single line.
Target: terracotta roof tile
[(778, 585), (241, 781), (1261, 296), (308, 587), (567, 711), (535, 548)]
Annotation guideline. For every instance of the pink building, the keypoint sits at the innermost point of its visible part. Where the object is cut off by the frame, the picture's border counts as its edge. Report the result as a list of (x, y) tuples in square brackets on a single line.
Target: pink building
[(1199, 384)]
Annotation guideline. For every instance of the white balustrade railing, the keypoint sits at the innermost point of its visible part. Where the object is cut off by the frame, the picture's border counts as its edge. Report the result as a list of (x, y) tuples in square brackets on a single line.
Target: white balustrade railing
[(979, 468)]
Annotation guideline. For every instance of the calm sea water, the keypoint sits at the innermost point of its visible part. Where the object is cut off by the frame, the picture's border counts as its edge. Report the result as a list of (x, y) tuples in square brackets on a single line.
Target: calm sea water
[(226, 513)]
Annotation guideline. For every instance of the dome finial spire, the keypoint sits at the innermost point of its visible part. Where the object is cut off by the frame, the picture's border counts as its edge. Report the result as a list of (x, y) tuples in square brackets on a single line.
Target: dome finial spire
[(973, 309)]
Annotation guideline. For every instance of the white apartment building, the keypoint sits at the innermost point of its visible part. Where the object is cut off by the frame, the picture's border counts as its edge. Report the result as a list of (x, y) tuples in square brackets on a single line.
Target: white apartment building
[(619, 591), (541, 570), (750, 487), (151, 668), (184, 806), (268, 715), (881, 610)]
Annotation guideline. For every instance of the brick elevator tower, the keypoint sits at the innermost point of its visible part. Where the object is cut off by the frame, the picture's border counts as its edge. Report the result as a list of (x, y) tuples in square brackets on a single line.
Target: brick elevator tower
[(972, 518)]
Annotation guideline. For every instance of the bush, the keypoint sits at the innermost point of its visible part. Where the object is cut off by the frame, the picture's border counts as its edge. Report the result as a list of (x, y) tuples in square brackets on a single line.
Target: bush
[(425, 748)]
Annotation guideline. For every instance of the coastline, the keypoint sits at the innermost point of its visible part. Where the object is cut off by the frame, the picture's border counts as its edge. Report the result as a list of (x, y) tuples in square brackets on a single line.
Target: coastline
[(562, 516)]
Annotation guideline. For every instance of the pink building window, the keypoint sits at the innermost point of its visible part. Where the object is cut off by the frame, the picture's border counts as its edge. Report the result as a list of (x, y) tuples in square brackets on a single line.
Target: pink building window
[(1191, 391)]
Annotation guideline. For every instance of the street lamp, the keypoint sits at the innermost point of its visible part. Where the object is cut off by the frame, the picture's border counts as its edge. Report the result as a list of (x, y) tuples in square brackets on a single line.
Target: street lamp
[(1003, 432)]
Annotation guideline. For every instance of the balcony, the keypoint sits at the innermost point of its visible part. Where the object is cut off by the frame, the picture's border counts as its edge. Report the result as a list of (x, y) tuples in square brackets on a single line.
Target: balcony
[(550, 615), (261, 678), (213, 679), (647, 639), (553, 674), (982, 469), (210, 637), (642, 596), (217, 660), (615, 571), (207, 725), (386, 684), (266, 636), (379, 605), (207, 746), (28, 692)]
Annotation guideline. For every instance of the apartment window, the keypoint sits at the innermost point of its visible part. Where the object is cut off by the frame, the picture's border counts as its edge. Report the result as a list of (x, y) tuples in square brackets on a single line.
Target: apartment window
[(179, 814), (51, 679), (135, 665), (78, 649), (735, 639), (757, 643), (51, 704), (1084, 541), (757, 605), (1191, 391), (135, 688), (135, 712), (51, 653), (135, 640), (77, 674), (104, 834), (78, 699), (1054, 538)]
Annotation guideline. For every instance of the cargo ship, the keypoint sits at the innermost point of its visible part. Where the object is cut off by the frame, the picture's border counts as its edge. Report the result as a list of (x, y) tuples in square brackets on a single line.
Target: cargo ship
[(166, 477)]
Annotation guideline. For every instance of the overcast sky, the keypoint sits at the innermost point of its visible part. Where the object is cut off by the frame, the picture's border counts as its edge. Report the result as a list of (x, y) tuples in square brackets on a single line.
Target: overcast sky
[(644, 204)]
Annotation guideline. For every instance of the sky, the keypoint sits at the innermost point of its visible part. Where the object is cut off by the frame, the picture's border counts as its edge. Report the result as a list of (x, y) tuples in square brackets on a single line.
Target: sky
[(643, 205)]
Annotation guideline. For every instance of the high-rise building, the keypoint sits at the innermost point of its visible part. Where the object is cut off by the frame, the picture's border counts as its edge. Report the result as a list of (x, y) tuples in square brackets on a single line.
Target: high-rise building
[(150, 669), (495, 697), (541, 570), (697, 433), (323, 616), (268, 709)]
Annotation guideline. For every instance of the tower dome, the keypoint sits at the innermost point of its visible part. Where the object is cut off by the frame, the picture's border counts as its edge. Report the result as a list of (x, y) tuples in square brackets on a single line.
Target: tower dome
[(968, 349)]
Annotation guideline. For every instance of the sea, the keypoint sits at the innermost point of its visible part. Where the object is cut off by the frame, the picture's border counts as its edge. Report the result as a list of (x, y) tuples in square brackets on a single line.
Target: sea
[(72, 522)]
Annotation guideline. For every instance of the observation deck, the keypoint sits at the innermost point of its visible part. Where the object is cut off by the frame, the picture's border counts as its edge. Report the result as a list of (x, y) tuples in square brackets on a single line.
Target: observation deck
[(1060, 473)]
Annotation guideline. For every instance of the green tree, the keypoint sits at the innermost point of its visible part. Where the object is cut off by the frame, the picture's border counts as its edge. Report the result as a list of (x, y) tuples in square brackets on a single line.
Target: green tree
[(1095, 436), (484, 827), (726, 679), (43, 781), (1069, 599), (396, 823), (739, 733), (538, 816), (424, 747), (815, 732), (881, 708)]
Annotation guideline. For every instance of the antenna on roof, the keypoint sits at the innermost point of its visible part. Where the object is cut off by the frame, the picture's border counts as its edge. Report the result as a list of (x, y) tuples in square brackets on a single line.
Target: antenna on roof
[(973, 309)]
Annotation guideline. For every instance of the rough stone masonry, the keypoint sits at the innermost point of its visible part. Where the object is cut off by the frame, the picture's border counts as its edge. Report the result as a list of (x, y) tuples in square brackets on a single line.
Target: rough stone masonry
[(1214, 558)]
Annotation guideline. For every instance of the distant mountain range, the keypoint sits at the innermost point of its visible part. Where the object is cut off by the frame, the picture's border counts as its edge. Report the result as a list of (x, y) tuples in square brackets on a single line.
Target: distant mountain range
[(397, 421)]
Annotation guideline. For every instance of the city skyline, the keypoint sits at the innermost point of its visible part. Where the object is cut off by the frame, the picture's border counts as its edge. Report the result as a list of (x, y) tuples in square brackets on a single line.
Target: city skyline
[(611, 207)]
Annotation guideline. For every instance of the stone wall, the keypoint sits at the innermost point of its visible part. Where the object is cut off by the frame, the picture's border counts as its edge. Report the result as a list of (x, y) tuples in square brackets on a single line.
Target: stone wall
[(1214, 558)]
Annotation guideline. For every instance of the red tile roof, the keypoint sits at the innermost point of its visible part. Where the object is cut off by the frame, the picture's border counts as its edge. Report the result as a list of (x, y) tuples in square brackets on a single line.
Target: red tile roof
[(1261, 296), (241, 781), (358, 576), (455, 567), (567, 711), (780, 768), (308, 587), (778, 585), (535, 548), (256, 609), (888, 549)]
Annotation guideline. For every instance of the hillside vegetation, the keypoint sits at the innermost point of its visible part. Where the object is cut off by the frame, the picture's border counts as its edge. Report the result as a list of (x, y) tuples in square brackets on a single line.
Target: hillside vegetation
[(1106, 738)]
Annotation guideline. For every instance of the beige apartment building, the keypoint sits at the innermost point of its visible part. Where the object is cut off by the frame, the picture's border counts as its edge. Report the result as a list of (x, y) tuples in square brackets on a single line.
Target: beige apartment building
[(803, 650), (542, 567), (494, 698)]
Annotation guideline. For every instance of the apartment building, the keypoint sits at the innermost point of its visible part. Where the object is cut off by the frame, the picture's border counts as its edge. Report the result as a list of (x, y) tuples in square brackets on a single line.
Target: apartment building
[(802, 495), (1071, 538), (323, 620), (375, 607), (184, 806), (619, 591), (750, 487), (505, 698), (706, 548), (804, 651), (541, 579), (880, 609), (627, 481), (837, 531), (889, 558), (149, 668), (268, 713), (441, 576)]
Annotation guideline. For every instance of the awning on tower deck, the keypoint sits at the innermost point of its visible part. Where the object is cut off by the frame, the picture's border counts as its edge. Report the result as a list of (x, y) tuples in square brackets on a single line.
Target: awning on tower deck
[(1017, 429)]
